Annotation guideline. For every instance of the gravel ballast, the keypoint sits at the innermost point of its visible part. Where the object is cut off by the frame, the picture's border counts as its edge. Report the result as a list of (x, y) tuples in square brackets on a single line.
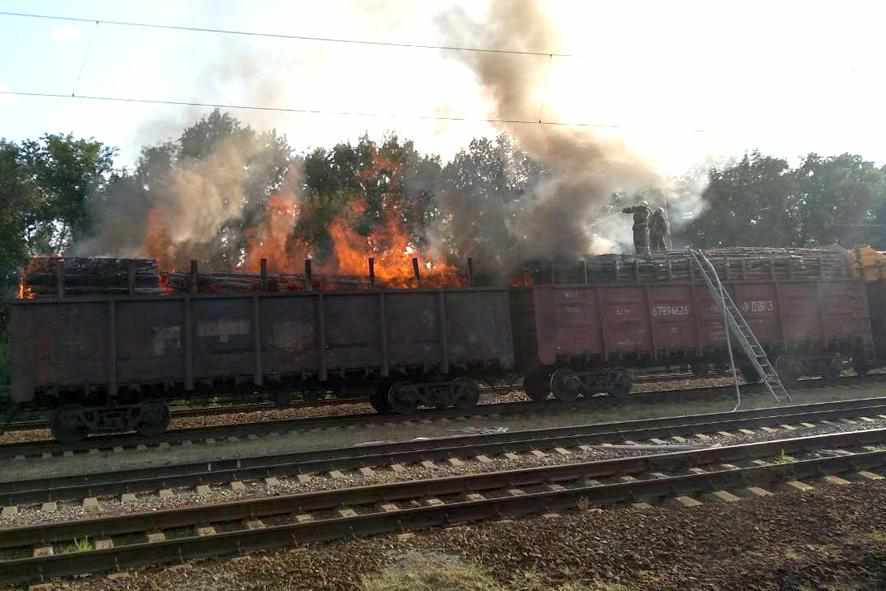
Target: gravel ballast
[(831, 538)]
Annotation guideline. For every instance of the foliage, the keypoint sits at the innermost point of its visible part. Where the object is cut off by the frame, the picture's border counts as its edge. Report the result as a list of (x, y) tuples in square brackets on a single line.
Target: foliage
[(64, 172), (381, 179), (481, 192), (57, 189), (761, 200)]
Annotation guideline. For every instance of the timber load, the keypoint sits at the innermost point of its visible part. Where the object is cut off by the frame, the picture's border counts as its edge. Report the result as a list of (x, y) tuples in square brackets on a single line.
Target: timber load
[(79, 276), (210, 283), (732, 264)]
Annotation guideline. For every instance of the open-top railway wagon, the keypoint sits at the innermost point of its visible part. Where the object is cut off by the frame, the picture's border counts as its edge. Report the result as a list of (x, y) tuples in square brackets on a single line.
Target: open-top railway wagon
[(110, 362), (579, 332)]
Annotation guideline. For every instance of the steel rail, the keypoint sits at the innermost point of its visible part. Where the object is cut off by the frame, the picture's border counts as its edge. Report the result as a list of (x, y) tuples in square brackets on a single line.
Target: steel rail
[(183, 412), (251, 534), (251, 468), (551, 407)]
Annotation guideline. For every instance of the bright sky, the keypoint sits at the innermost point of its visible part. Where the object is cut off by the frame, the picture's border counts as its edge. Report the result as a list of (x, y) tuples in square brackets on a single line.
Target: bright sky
[(682, 82)]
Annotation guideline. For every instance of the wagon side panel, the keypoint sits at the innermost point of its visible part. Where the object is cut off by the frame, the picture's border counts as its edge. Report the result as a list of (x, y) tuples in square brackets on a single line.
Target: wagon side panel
[(758, 303), (627, 321), (844, 314), (671, 317), (479, 328), (150, 341), (352, 334), (223, 337), (413, 330), (290, 342), (800, 316), (61, 344)]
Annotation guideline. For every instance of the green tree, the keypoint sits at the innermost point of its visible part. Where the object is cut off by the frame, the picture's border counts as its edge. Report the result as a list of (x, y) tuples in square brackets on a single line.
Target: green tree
[(380, 180), (216, 150), (482, 190), (16, 210), (63, 173), (761, 201), (749, 203), (838, 200)]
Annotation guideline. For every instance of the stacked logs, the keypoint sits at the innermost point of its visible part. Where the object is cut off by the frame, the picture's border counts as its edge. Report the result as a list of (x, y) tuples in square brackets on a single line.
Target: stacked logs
[(254, 282), (733, 264), (77, 276)]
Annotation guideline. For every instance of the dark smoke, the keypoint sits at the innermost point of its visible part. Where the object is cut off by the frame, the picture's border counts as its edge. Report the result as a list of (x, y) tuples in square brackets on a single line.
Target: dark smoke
[(583, 170)]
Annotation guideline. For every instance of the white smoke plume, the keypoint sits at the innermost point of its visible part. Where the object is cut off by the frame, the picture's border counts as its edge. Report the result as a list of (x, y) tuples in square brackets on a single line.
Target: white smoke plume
[(557, 217)]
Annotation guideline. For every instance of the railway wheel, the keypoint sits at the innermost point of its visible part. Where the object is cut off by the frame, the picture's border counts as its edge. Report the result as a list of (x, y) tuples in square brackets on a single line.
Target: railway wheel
[(618, 383), (66, 426), (465, 393), (153, 418), (379, 398), (403, 398), (537, 385), (566, 385)]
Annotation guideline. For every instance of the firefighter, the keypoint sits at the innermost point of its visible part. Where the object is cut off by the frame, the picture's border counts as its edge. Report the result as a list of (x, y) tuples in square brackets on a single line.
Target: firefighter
[(641, 214), (659, 231)]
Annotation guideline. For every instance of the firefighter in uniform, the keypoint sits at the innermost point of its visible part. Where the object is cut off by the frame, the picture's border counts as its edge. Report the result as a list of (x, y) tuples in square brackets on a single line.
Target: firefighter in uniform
[(641, 227), (659, 231)]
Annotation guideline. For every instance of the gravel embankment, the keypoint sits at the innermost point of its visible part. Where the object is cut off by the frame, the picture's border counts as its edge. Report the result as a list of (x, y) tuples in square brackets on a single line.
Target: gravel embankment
[(182, 497), (833, 538)]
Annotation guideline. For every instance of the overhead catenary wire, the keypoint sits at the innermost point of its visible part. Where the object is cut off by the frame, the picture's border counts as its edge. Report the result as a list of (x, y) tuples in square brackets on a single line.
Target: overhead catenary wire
[(86, 54), (283, 36), (309, 111)]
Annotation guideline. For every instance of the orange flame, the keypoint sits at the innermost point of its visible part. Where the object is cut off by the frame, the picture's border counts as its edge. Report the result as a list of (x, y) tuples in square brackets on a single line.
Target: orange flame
[(392, 250), (522, 280), (273, 240), (24, 292), (158, 244)]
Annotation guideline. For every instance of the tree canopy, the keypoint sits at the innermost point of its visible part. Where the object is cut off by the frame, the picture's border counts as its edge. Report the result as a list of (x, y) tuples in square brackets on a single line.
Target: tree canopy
[(60, 193)]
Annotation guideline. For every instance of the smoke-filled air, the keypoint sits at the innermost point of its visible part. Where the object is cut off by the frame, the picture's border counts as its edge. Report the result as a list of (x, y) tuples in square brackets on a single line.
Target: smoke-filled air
[(233, 201), (582, 170)]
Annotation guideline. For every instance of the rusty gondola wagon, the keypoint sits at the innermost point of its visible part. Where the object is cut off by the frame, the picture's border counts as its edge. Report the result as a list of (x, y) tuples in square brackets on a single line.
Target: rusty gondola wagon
[(108, 356)]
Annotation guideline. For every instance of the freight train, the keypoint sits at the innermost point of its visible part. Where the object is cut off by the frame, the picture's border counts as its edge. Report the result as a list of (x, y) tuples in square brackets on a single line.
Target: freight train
[(112, 362)]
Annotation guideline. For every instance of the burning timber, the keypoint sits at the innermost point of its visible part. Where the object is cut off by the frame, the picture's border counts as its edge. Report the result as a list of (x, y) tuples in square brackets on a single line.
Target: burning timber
[(56, 276), (48, 276)]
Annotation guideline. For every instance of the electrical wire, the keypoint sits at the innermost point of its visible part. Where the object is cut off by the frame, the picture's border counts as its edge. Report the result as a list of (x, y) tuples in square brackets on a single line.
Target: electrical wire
[(307, 111), (191, 29)]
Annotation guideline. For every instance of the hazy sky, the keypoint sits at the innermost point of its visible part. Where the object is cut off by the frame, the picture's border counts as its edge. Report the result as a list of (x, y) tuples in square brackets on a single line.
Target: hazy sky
[(681, 82)]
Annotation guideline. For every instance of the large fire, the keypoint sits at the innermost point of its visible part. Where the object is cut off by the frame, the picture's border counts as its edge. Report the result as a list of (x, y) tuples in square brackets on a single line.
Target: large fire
[(24, 292), (389, 245), (273, 239), (277, 239), (158, 244)]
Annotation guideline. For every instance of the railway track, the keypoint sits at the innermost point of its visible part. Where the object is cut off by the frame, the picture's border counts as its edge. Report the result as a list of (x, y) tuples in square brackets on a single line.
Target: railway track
[(68, 548), (40, 421), (695, 428), (233, 433), (199, 411)]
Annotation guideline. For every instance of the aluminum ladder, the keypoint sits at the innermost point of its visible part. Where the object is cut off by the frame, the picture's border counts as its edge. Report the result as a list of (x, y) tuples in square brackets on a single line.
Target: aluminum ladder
[(740, 327)]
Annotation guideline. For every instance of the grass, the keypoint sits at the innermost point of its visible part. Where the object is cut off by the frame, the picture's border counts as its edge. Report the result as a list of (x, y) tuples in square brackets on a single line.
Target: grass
[(782, 458), (79, 545), (420, 573)]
